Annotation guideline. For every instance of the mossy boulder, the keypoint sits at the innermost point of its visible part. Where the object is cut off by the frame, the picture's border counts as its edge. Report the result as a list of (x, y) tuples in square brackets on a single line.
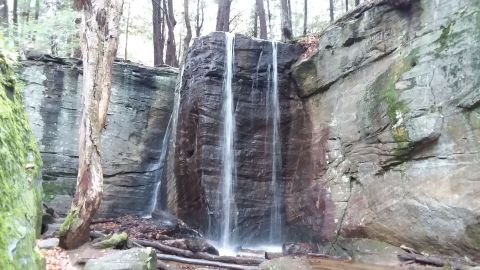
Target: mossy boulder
[(20, 184)]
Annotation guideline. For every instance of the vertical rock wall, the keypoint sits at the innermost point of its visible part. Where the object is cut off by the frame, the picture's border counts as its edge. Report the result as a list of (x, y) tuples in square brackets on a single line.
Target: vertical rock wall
[(20, 183), (140, 107), (380, 130)]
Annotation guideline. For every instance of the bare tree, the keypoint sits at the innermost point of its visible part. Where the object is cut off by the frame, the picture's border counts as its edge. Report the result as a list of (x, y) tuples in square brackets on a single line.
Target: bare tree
[(37, 10), (332, 6), (188, 35), (158, 32), (223, 15), (99, 41), (262, 19), (346, 5), (15, 12), (171, 53), (269, 18), (287, 33), (305, 17), (199, 18), (4, 13), (127, 26)]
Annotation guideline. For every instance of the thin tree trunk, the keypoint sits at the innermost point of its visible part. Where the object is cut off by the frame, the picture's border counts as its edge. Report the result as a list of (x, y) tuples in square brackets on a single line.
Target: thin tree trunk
[(223, 15), (37, 10), (188, 35), (269, 18), (158, 32), (171, 55), (255, 22), (199, 18), (26, 13), (262, 19), (99, 41), (305, 17), (286, 18), (15, 12), (126, 32), (4, 13), (332, 17), (346, 5)]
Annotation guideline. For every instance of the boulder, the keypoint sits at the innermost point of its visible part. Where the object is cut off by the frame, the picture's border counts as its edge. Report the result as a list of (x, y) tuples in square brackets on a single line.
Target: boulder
[(130, 259)]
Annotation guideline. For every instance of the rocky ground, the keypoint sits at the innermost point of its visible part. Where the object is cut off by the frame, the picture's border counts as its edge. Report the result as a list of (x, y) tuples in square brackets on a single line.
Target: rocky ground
[(164, 242)]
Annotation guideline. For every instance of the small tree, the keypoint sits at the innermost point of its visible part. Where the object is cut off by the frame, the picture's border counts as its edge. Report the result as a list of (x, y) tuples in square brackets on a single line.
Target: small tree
[(262, 19), (223, 15), (287, 32), (99, 40)]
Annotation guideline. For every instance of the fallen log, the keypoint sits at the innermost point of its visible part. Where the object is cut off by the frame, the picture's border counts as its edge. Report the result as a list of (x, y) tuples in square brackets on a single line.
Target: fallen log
[(204, 262), (201, 255), (434, 261)]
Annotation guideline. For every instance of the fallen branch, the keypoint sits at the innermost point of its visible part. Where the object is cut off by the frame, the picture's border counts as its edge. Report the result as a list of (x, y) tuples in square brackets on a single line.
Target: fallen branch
[(201, 255), (434, 261), (204, 262)]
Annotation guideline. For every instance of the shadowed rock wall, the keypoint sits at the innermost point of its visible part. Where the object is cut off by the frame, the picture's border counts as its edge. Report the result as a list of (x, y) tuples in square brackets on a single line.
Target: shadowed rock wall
[(139, 111)]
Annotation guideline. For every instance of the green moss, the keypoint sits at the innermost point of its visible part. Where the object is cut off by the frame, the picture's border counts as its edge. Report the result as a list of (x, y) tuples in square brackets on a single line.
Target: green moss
[(444, 37), (20, 183), (54, 188), (69, 220), (112, 241), (384, 97), (472, 235)]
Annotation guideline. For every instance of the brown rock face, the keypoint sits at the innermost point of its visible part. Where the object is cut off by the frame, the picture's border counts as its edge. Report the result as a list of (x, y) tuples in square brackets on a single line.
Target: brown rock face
[(198, 151)]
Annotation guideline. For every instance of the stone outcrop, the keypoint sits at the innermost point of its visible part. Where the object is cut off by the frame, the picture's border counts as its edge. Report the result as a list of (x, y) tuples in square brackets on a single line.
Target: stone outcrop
[(380, 130), (139, 111), (20, 182)]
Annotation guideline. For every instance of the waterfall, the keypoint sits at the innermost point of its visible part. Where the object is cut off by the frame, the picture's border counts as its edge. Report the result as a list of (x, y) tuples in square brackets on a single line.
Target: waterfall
[(227, 146), (275, 215), (161, 167), (166, 143)]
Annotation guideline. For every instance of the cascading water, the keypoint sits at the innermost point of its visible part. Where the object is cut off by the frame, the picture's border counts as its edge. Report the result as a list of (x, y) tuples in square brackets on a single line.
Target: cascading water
[(161, 167), (227, 146), (275, 215), (166, 143)]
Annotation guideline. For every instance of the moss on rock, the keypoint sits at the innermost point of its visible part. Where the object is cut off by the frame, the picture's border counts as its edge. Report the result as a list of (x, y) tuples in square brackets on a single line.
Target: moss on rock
[(20, 184)]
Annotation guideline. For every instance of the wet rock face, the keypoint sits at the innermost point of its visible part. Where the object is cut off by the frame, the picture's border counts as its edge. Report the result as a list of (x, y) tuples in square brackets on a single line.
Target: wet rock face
[(139, 111), (198, 153), (380, 130)]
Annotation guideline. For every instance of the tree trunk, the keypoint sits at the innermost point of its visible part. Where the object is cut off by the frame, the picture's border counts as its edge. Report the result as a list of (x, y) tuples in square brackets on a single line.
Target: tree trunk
[(223, 15), (37, 10), (269, 18), (255, 22), (99, 41), (305, 17), (346, 5), (15, 12), (188, 35), (158, 33), (287, 33), (199, 18), (4, 13), (171, 54), (357, 2), (262, 19), (127, 26), (332, 18)]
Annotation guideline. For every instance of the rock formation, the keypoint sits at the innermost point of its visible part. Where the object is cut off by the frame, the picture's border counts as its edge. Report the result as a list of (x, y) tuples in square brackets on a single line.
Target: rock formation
[(380, 131), (139, 111), (20, 184)]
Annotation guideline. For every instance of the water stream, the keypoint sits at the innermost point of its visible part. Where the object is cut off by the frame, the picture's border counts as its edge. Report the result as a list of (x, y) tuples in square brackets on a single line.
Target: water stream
[(227, 146), (275, 215)]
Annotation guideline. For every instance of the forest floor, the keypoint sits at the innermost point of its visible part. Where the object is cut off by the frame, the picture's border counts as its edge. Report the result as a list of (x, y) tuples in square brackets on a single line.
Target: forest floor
[(169, 236)]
